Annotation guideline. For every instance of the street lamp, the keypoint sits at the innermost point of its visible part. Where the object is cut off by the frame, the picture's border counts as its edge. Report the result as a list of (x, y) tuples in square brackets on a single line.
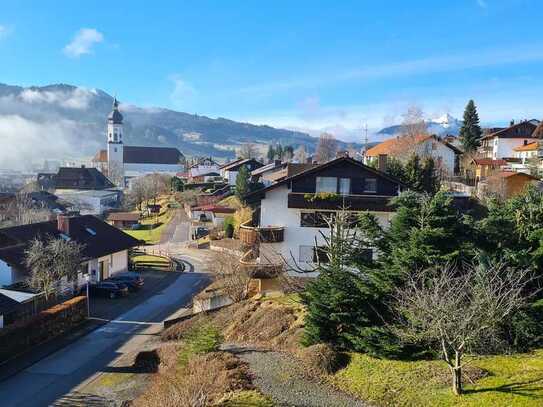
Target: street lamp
[(87, 279)]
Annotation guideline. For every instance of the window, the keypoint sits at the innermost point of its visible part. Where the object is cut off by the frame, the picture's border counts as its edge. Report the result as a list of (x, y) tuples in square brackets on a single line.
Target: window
[(344, 186), (306, 254), (326, 184), (370, 185)]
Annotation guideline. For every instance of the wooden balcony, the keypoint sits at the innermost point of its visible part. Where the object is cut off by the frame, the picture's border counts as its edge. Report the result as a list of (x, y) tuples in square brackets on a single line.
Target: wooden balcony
[(378, 203), (250, 235), (259, 268)]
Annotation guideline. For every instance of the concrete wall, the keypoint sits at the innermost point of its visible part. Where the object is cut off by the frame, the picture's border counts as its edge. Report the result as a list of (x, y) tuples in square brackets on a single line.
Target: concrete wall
[(152, 168)]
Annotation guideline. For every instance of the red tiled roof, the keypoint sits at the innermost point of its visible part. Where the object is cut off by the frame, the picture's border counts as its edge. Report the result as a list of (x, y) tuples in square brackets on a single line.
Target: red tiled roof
[(396, 145), (508, 174)]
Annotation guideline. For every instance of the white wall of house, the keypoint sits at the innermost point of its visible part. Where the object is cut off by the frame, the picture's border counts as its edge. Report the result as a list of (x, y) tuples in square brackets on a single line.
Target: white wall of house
[(10, 275), (505, 147), (297, 239), (439, 152), (203, 169), (231, 177), (153, 168)]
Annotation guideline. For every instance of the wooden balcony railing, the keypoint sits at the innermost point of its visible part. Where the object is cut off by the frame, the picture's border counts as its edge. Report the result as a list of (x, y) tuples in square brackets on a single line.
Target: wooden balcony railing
[(257, 269), (250, 235)]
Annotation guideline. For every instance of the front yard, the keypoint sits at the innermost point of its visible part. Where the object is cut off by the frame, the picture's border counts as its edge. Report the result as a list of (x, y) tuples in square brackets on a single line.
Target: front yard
[(153, 226)]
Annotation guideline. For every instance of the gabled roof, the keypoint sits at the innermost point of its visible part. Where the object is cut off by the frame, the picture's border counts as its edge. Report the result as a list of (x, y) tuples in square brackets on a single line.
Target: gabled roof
[(97, 237), (7, 304), (236, 165), (123, 216), (100, 157), (519, 130), (151, 155), (399, 144), (321, 167), (538, 132), (76, 178)]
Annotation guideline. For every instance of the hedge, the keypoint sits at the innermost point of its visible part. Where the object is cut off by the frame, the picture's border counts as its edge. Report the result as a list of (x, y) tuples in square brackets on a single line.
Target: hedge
[(23, 335)]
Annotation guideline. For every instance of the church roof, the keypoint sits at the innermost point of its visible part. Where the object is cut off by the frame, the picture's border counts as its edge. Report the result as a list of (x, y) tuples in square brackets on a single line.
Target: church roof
[(100, 157), (151, 155), (115, 116)]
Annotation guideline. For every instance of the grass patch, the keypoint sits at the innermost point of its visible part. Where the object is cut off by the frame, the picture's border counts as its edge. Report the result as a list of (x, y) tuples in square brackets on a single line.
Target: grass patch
[(246, 398), (515, 380), (153, 226), (232, 202), (148, 258), (200, 339)]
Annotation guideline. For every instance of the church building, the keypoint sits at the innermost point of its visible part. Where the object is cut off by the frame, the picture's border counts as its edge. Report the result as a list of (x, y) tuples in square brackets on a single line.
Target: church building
[(120, 162)]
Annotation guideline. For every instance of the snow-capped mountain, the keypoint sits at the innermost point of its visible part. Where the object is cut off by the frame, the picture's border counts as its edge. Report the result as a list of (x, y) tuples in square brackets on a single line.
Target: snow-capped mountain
[(441, 126)]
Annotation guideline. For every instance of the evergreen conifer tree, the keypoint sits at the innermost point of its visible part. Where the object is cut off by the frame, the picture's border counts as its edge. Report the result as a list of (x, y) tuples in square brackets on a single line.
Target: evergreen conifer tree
[(271, 153), (243, 183), (470, 132)]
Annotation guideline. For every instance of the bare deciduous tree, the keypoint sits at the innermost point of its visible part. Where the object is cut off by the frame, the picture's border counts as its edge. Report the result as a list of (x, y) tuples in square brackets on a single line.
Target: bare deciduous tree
[(233, 277), (327, 148), (413, 123), (24, 211), (300, 154), (51, 260), (459, 310), (248, 150)]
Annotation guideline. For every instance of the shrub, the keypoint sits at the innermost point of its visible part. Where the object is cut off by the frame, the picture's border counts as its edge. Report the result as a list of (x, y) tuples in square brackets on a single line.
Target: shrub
[(525, 331), (147, 361), (321, 358), (201, 339), (229, 227)]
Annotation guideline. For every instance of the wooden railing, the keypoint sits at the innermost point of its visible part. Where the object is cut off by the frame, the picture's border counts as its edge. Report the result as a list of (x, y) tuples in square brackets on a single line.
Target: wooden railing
[(250, 235)]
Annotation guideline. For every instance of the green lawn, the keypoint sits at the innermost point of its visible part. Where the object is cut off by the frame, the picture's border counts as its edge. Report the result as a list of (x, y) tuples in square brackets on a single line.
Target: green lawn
[(152, 227), (511, 381)]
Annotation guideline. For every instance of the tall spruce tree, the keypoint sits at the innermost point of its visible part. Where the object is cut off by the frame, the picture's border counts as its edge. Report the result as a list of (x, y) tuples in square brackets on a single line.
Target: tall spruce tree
[(243, 183), (470, 132), (271, 153)]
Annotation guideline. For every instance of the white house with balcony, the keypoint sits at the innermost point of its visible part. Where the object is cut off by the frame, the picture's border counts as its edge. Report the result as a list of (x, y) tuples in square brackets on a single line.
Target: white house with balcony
[(291, 215)]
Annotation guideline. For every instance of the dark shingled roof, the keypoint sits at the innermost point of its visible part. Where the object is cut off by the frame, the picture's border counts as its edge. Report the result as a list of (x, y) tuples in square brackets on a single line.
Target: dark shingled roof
[(115, 116), (75, 178), (98, 237), (519, 130), (151, 155)]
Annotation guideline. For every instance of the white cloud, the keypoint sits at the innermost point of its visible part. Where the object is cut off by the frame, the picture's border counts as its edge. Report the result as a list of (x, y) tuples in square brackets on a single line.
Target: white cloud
[(183, 93), (83, 42), (77, 99), (432, 64), (5, 31)]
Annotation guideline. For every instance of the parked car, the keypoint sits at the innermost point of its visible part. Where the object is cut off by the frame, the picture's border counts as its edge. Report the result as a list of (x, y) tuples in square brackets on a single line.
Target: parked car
[(109, 289), (199, 232), (133, 281)]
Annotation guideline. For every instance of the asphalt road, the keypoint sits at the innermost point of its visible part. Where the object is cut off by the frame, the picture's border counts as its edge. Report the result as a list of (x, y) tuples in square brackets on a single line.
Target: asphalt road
[(54, 378)]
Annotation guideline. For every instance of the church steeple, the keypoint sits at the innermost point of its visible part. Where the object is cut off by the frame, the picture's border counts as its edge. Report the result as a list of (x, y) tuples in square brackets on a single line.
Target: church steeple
[(115, 150)]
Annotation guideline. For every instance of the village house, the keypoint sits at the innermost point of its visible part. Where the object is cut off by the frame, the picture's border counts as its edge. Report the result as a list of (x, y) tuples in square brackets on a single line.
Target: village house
[(485, 167), (229, 171), (202, 166), (277, 170), (445, 155), (105, 248), (505, 184), (123, 220), (290, 216), (502, 142)]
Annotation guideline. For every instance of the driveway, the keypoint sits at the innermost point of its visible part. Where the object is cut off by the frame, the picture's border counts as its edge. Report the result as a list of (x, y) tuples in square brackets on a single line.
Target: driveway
[(54, 379)]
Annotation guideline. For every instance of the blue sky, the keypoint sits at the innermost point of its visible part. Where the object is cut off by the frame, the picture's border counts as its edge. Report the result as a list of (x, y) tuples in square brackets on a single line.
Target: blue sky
[(308, 64)]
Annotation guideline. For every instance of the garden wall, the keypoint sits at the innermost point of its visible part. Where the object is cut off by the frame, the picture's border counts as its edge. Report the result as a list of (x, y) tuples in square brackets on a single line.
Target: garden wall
[(21, 336)]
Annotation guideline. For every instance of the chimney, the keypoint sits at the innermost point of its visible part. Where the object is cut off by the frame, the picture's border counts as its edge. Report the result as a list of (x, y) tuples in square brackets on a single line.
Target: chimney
[(63, 224), (382, 162), (512, 123)]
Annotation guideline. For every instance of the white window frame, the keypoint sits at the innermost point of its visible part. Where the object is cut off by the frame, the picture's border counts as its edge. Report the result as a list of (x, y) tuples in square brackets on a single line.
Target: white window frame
[(341, 192)]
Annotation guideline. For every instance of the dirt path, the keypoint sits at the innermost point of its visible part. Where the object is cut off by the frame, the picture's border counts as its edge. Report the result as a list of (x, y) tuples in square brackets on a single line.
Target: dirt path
[(279, 376)]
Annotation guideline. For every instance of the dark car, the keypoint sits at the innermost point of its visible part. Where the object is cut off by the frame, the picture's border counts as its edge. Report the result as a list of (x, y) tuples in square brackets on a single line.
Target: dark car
[(200, 232), (109, 289), (133, 281)]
